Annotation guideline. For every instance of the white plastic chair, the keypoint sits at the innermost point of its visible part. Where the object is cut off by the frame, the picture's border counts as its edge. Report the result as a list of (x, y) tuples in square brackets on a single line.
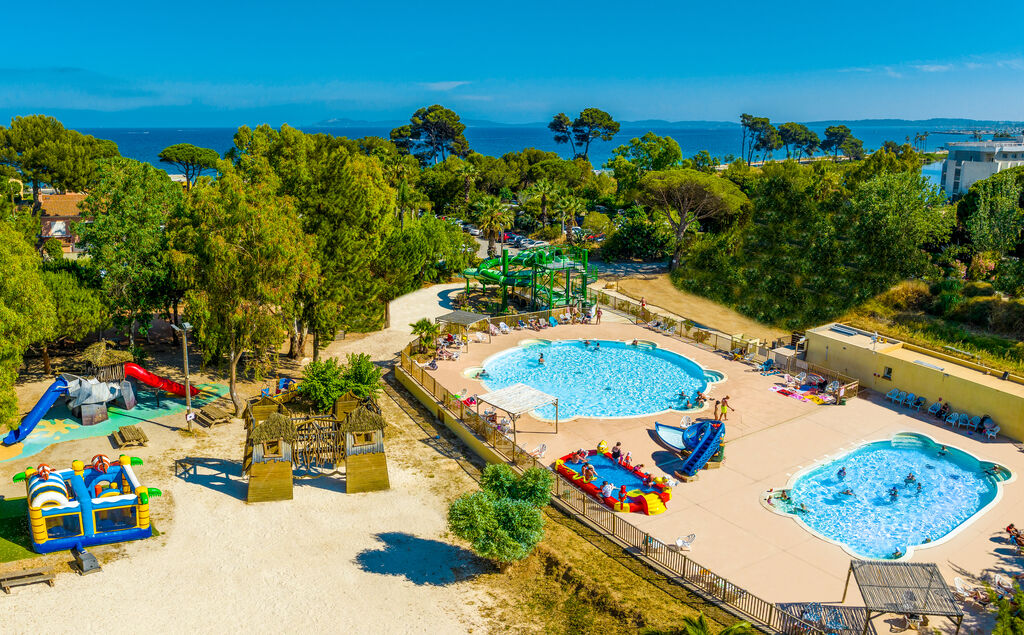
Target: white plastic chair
[(961, 592), (539, 451), (992, 432), (683, 544), (480, 337), (685, 421)]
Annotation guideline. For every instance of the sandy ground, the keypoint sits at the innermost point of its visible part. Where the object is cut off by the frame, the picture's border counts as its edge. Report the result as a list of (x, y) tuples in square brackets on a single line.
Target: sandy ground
[(662, 294), (323, 562)]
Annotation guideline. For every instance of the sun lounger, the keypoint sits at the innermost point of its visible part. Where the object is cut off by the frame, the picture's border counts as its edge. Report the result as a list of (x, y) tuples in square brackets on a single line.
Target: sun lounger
[(552, 321), (683, 544), (962, 593), (909, 399), (493, 329), (520, 325), (480, 337), (505, 330), (800, 379), (539, 451), (891, 395), (934, 410)]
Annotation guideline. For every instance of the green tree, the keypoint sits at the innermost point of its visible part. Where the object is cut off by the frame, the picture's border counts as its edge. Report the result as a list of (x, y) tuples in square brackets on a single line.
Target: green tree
[(591, 124), (26, 313), (836, 137), (688, 198), (568, 208), (245, 251), (190, 159), (561, 126), (125, 240), (503, 522), (53, 249), (361, 376), (641, 155), (432, 134), (1010, 620), (427, 330), (768, 141), (797, 139), (699, 626), (754, 131), (704, 162), (78, 310), (492, 217), (994, 218), (544, 191), (322, 383)]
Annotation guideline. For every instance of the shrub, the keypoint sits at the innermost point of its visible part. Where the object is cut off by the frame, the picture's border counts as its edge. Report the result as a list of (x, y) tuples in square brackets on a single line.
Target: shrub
[(974, 289), (640, 239), (911, 295), (548, 232), (322, 383), (977, 311), (1008, 318), (503, 522), (1010, 277), (361, 377), (53, 249)]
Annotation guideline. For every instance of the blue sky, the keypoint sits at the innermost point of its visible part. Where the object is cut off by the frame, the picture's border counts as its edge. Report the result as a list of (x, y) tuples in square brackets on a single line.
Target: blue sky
[(228, 63)]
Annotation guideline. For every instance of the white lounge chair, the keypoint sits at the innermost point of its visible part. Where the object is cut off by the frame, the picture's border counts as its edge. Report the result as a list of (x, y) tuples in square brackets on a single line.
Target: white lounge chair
[(1001, 584), (685, 421), (480, 337), (539, 451), (683, 544), (493, 329), (962, 593), (505, 330)]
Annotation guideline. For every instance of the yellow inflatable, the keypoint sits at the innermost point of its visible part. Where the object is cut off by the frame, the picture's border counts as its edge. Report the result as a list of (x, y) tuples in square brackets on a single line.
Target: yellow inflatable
[(602, 447)]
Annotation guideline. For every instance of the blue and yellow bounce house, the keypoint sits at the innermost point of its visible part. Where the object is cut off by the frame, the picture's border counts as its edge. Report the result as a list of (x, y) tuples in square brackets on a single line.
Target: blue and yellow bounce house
[(87, 505)]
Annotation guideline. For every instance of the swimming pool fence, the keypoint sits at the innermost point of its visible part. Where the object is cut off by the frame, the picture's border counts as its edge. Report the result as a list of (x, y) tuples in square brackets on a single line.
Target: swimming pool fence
[(714, 339), (495, 445)]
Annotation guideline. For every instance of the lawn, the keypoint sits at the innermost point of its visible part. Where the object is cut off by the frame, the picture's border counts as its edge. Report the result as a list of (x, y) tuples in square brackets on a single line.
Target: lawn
[(15, 542)]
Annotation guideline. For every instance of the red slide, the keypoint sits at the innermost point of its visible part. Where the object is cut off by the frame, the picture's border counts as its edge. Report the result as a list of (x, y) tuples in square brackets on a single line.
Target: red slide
[(156, 381)]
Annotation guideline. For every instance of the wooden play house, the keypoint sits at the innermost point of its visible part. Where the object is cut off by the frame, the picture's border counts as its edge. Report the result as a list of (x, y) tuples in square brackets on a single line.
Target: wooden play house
[(278, 441), (269, 453), (366, 466)]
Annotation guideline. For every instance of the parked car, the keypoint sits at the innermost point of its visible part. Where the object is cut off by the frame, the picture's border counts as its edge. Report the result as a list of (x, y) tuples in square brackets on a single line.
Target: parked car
[(540, 243), (474, 231)]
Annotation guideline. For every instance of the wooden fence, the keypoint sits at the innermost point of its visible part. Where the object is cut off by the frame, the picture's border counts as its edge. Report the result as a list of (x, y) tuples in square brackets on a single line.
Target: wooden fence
[(674, 564)]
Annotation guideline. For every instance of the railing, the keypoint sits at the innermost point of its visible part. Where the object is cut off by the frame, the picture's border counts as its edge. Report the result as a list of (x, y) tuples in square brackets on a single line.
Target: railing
[(712, 339), (677, 566)]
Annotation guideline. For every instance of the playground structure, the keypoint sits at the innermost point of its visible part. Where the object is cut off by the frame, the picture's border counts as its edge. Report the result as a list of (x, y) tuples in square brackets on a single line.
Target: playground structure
[(543, 277), (634, 490), (701, 441), (278, 441), (98, 504), (87, 398)]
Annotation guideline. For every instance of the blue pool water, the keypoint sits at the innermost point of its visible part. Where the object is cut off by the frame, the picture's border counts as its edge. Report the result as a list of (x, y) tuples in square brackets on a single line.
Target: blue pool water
[(871, 523), (618, 380), (608, 470)]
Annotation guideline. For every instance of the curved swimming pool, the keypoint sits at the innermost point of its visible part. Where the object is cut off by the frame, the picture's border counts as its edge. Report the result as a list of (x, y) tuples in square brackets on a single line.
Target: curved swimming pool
[(876, 509), (601, 379)]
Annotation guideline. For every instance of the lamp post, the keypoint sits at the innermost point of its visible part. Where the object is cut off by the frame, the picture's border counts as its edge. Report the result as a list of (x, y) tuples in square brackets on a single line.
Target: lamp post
[(184, 329)]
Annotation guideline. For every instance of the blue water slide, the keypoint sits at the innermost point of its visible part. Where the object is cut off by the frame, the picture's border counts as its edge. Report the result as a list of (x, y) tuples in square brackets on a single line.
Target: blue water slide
[(693, 434), (28, 424), (708, 446)]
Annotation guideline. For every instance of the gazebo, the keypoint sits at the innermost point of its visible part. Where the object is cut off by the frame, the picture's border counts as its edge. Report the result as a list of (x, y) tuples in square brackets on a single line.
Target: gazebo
[(517, 399), (907, 588), (464, 320)]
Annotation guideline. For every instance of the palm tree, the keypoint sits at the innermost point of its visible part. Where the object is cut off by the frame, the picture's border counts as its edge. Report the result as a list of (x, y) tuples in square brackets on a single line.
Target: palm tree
[(468, 172), (568, 208), (699, 626), (492, 217), (426, 330), (547, 191)]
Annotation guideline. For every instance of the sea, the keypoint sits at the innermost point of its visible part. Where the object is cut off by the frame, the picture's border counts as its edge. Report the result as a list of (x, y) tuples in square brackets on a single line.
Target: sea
[(721, 140)]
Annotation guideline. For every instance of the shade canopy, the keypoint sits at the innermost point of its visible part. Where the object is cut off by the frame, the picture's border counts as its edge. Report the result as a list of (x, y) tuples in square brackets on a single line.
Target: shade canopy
[(908, 588), (517, 399), (462, 318)]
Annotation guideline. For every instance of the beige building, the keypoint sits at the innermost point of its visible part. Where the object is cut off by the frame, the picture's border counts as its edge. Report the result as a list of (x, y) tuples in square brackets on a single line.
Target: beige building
[(883, 364)]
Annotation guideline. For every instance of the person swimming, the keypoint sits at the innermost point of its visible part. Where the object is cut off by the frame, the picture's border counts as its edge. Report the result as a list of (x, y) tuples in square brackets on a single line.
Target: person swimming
[(894, 493), (919, 487), (540, 360), (597, 346), (841, 474), (910, 479), (942, 451), (803, 508), (847, 492), (634, 343), (586, 343)]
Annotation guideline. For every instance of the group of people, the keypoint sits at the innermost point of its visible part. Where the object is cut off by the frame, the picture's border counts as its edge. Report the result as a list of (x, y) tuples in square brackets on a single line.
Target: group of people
[(698, 400), (597, 345), (1015, 535)]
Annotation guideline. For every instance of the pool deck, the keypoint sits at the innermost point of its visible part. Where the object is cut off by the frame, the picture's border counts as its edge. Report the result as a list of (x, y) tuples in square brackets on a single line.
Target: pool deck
[(769, 438)]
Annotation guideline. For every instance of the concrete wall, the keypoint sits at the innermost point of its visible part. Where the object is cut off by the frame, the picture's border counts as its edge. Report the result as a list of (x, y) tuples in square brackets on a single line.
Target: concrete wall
[(480, 448), (963, 394)]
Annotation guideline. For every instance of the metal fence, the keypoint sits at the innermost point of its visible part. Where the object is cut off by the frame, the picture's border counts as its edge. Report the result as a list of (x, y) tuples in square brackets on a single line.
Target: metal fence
[(573, 501), (712, 339)]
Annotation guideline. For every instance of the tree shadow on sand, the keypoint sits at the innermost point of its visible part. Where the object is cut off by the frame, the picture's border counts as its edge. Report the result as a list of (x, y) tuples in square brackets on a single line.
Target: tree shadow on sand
[(419, 560), (220, 475)]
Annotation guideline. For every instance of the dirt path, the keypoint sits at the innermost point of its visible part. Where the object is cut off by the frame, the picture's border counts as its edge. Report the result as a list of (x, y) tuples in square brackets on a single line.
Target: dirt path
[(660, 292)]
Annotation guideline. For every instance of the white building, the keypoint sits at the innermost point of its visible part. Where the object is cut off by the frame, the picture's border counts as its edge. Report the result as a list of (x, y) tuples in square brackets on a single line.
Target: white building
[(972, 161)]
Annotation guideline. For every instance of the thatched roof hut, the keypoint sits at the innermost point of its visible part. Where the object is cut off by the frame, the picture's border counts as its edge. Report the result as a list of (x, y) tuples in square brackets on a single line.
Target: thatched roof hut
[(276, 427), (100, 355), (363, 420)]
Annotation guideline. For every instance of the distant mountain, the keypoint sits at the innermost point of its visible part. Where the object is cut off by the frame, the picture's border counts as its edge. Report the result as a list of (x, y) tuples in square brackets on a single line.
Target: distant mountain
[(934, 122), (681, 125), (345, 122)]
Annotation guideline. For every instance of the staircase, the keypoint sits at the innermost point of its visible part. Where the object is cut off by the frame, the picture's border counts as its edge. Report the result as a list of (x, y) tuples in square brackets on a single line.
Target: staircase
[(652, 504)]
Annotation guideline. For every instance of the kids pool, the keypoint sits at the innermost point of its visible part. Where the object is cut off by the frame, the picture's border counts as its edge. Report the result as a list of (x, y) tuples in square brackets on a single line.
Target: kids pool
[(614, 379), (870, 522)]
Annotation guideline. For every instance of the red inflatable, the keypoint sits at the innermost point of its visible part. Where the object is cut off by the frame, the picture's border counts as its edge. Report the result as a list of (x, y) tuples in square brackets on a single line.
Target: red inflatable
[(650, 501), (156, 381)]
